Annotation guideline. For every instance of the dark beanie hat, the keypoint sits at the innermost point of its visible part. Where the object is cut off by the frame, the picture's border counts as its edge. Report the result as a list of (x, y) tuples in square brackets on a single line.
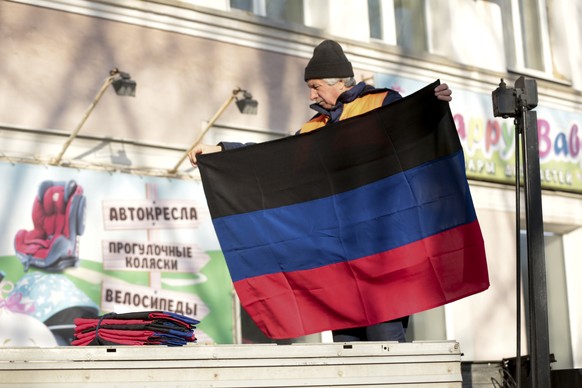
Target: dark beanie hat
[(328, 61)]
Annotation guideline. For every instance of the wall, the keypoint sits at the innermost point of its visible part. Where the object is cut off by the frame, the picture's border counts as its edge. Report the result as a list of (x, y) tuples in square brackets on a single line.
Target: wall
[(58, 60)]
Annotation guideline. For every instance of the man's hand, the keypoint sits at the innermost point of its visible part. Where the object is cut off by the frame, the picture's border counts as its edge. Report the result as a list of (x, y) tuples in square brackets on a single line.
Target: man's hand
[(442, 92), (202, 149)]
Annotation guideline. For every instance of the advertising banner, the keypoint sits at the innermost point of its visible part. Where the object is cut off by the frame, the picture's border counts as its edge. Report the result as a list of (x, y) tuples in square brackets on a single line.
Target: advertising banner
[(489, 142), (80, 243)]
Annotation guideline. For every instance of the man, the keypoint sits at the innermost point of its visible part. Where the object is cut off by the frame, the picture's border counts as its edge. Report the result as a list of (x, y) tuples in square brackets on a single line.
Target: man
[(336, 96), (332, 88)]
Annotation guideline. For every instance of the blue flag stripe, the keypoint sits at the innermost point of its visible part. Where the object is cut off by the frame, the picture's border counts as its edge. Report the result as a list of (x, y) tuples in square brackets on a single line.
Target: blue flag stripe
[(408, 207)]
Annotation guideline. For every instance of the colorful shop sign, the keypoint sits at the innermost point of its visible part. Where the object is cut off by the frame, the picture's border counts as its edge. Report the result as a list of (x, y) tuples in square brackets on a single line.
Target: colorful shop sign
[(489, 142), (134, 244)]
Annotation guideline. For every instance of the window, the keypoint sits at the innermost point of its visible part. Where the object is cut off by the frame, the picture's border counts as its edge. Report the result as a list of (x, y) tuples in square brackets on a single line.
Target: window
[(280, 10), (410, 25), (399, 22), (532, 47), (375, 19), (531, 34)]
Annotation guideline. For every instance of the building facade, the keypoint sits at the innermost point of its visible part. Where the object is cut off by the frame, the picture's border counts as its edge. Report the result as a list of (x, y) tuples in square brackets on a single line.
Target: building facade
[(187, 57)]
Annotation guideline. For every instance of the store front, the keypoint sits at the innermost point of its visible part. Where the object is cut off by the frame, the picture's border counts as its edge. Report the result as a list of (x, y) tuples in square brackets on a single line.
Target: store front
[(186, 62)]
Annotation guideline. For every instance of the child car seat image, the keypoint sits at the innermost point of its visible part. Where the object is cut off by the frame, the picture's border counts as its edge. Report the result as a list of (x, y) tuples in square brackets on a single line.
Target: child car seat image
[(58, 216)]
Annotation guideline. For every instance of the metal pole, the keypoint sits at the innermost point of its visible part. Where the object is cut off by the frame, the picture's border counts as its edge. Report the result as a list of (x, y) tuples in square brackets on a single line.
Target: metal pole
[(517, 103), (518, 131), (106, 83), (538, 301), (208, 126)]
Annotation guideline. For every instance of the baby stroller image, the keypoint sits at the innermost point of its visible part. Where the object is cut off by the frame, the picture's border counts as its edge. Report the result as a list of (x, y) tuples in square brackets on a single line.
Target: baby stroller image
[(58, 216)]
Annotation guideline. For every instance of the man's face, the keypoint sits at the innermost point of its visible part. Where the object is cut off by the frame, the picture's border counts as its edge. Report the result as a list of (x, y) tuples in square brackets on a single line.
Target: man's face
[(323, 94)]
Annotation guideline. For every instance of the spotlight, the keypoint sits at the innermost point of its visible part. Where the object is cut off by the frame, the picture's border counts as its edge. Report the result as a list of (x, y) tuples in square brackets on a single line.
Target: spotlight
[(122, 83), (247, 105)]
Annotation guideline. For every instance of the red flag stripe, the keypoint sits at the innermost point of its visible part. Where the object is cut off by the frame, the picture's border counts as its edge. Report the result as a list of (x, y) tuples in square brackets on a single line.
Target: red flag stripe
[(425, 274)]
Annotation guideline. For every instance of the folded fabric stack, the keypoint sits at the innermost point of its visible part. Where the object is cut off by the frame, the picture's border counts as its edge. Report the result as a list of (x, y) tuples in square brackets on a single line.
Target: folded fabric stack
[(138, 328)]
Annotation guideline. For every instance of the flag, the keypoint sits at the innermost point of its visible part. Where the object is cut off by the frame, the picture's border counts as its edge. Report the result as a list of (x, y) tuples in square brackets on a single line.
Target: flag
[(357, 223), (136, 328)]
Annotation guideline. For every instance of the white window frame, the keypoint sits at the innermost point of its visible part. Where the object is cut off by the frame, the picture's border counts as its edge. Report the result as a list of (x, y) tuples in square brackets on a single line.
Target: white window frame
[(389, 26), (388, 23), (519, 64), (260, 8)]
